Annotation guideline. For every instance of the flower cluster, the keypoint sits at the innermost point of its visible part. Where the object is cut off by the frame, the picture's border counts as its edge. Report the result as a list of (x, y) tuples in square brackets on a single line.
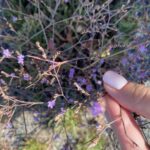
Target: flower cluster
[(137, 63)]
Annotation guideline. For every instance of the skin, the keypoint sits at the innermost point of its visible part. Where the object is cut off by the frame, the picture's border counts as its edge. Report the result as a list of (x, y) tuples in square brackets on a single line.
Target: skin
[(119, 105)]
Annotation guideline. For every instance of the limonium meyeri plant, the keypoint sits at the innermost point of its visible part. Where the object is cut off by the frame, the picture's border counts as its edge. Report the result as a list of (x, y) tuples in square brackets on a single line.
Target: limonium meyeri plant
[(53, 55)]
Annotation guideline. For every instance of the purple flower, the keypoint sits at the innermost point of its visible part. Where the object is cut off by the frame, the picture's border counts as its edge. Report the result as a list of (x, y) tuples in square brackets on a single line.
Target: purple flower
[(131, 55), (12, 75), (66, 1), (26, 77), (14, 18), (95, 109), (89, 87), (2, 82), (94, 70), (51, 104), (100, 49), (142, 49), (71, 73), (102, 61), (70, 101), (111, 49), (93, 75), (36, 116), (142, 75), (98, 126), (81, 80), (9, 125), (6, 53), (124, 61), (36, 119), (20, 59), (62, 110), (44, 80)]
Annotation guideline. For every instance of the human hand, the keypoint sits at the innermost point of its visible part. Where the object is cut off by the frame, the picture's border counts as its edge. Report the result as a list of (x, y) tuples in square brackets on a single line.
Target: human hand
[(123, 98)]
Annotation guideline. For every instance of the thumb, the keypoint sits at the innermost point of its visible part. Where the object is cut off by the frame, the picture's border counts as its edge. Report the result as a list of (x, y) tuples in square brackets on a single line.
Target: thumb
[(133, 97)]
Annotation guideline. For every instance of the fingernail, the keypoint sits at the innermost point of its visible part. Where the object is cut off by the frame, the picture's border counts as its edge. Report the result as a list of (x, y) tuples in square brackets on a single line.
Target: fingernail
[(114, 80)]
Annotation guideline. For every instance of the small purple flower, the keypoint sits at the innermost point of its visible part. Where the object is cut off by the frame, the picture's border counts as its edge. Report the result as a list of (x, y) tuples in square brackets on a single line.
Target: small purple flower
[(93, 75), (36, 119), (14, 18), (44, 80), (62, 110), (102, 61), (6, 53), (81, 80), (71, 73), (9, 125), (138, 57), (20, 59), (142, 48), (142, 75), (94, 70), (70, 101), (12, 75), (2, 82), (51, 104), (66, 1), (124, 61), (95, 109), (99, 49), (89, 87), (130, 55), (111, 49), (26, 77)]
